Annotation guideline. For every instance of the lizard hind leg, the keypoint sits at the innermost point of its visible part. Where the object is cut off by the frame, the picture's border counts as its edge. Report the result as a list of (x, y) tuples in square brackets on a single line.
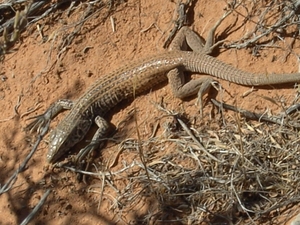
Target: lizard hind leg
[(180, 88), (188, 38)]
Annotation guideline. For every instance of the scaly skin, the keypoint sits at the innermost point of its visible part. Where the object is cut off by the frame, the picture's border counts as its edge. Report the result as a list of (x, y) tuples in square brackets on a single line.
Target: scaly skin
[(136, 78)]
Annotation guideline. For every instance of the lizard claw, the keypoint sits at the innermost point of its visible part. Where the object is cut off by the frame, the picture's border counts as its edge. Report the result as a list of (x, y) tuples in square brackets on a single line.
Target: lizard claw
[(42, 122), (39, 125), (86, 151)]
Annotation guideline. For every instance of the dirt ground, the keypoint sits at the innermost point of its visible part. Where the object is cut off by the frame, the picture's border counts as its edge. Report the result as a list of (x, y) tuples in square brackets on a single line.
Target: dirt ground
[(32, 76)]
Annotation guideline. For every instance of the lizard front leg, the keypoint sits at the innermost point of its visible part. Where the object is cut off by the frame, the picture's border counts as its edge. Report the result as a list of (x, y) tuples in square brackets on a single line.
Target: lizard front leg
[(103, 129), (42, 121)]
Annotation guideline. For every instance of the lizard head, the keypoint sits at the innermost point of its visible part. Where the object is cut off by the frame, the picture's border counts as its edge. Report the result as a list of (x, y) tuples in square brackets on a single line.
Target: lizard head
[(65, 137)]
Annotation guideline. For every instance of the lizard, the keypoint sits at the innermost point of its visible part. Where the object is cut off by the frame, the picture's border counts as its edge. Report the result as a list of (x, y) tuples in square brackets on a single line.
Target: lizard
[(137, 77)]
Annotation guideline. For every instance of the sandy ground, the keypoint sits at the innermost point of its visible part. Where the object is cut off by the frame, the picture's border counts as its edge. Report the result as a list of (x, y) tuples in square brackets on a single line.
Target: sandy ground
[(34, 77)]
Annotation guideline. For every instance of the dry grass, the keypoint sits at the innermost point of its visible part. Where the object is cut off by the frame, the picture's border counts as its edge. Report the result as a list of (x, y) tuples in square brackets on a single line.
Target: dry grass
[(255, 179)]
